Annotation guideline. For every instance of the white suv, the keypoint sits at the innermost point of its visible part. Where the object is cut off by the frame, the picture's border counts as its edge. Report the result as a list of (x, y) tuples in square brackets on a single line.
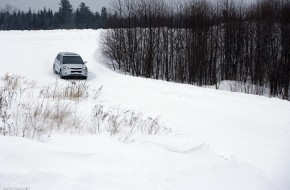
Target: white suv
[(68, 64)]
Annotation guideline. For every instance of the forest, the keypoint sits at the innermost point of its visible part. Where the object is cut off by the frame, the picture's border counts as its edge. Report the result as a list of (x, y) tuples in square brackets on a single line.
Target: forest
[(203, 43), (46, 19)]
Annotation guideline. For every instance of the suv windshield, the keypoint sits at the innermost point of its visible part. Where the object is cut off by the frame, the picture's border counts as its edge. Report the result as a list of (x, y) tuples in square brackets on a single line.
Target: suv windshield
[(72, 60)]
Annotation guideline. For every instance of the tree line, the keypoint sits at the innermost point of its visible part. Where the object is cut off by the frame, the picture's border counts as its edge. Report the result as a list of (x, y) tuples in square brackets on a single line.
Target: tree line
[(203, 43), (46, 19)]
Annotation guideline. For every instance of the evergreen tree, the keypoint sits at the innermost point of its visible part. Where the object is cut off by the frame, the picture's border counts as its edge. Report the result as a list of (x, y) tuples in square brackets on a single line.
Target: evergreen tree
[(29, 19), (84, 17), (104, 18), (65, 14), (97, 20)]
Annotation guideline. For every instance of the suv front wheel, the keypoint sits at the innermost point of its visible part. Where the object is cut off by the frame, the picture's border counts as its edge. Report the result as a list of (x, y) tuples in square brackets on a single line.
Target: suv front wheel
[(60, 74)]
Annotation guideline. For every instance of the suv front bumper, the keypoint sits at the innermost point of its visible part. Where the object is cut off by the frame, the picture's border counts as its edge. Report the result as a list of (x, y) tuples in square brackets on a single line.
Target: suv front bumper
[(75, 72)]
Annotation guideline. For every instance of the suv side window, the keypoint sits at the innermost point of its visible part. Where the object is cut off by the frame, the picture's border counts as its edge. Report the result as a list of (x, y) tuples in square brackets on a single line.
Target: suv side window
[(58, 57)]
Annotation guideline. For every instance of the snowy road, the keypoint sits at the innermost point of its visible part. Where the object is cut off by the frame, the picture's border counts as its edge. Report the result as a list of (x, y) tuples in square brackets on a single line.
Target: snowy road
[(220, 140)]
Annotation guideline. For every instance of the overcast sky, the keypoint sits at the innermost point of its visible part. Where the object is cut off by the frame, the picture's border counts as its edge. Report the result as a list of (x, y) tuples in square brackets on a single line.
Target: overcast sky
[(95, 5)]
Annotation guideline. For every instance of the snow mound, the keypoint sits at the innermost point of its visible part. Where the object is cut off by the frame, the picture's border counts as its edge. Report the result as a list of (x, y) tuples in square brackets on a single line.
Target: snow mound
[(90, 162)]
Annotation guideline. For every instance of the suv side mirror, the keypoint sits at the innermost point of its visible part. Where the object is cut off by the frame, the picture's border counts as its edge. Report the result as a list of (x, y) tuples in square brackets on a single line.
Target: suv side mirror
[(85, 62)]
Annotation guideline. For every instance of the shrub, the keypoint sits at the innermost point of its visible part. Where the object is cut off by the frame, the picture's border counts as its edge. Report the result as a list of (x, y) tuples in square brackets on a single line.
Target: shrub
[(33, 113)]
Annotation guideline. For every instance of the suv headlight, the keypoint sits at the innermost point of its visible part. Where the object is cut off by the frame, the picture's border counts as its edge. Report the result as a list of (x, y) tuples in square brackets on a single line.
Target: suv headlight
[(85, 68), (64, 67)]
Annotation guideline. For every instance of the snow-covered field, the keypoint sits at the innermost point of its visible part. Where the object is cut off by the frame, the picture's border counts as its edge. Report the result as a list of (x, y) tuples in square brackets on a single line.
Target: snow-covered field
[(219, 139)]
